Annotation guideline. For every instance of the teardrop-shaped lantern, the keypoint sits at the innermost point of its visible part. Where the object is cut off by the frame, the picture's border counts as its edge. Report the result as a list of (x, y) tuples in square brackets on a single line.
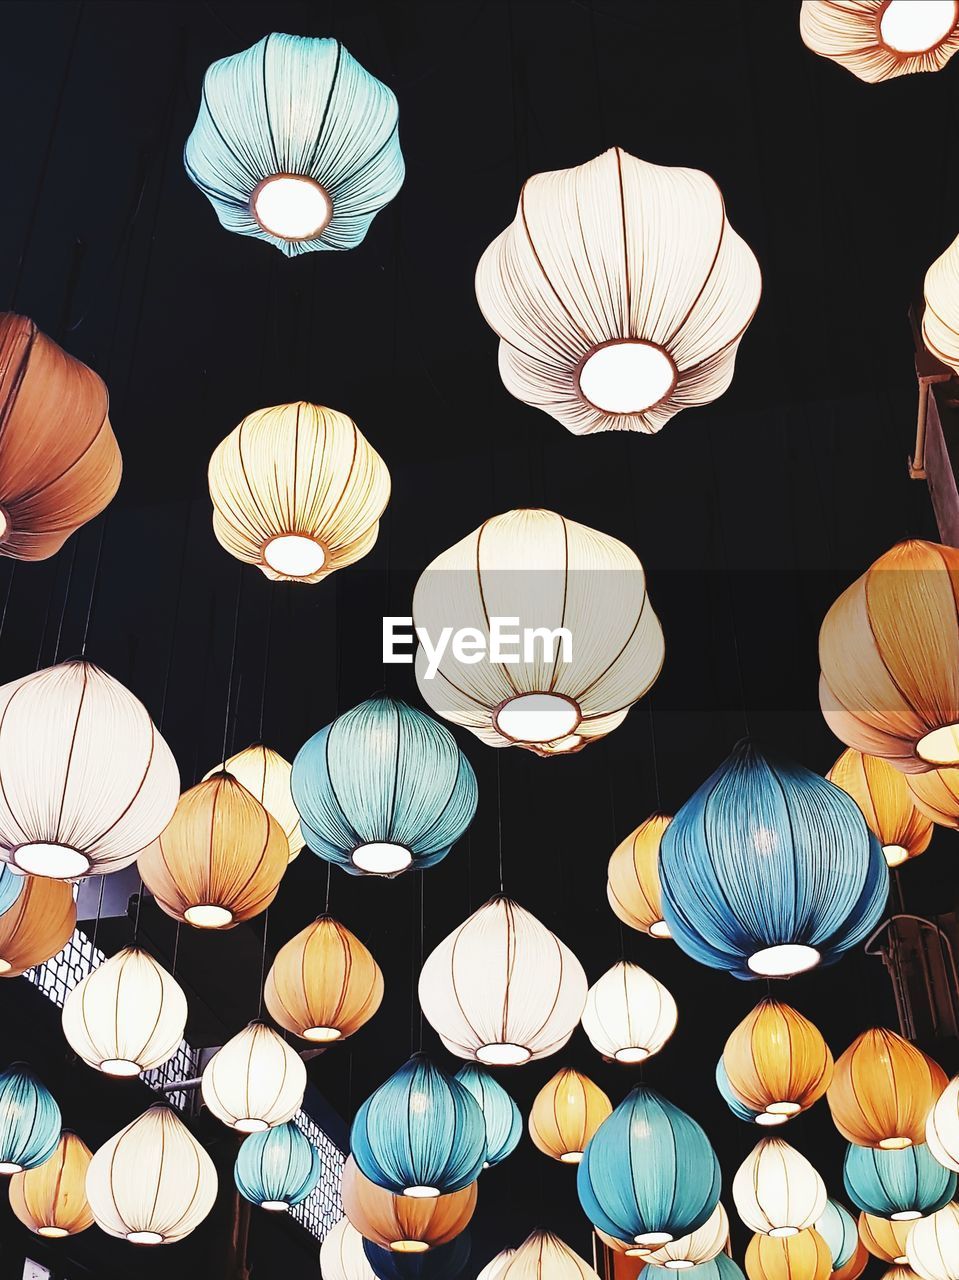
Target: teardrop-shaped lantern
[(776, 1061), (629, 1015), (29, 1120), (936, 794), (887, 804), (543, 1256), (341, 1254), (880, 39), (496, 1266), (777, 1191), (695, 1249), (254, 1081), (837, 1227), (445, 1262), (765, 1119), (404, 1224), (504, 1124), (382, 788), (882, 1090), (769, 870), (39, 924), (277, 1169), (884, 1238), (298, 491), (942, 1127), (900, 1185), (420, 1134), (50, 1199), (565, 1114), (266, 775), (933, 1245), (632, 884), (502, 988), (804, 1256)]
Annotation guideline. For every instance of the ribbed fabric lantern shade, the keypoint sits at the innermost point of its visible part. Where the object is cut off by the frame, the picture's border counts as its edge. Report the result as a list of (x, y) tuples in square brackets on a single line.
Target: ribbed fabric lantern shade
[(804, 1256), (632, 884), (548, 573), (837, 1227), (940, 317), (254, 1081), (502, 988), (496, 1265), (765, 1119), (936, 794), (884, 1238), (59, 460), (298, 491), (887, 804), (777, 1191), (565, 1114), (277, 1169), (504, 1124), (619, 293), (900, 1185), (856, 1265), (29, 1120), (942, 1127), (543, 1256), (445, 1262), (721, 1267), (776, 1061), (266, 775), (629, 1015), (38, 925), (900, 1273), (769, 870), (341, 1254), (695, 1249), (404, 1224), (220, 859), (882, 1090), (382, 788), (636, 1253), (323, 984), (933, 1245), (880, 39), (11, 886), (295, 144), (50, 1199)]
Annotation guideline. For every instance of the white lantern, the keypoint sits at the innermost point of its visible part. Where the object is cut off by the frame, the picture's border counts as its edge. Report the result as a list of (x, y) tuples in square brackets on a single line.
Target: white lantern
[(543, 1256), (942, 1127), (933, 1245), (497, 1265), (342, 1256), (254, 1081), (700, 1246), (629, 1014), (266, 775), (776, 1190)]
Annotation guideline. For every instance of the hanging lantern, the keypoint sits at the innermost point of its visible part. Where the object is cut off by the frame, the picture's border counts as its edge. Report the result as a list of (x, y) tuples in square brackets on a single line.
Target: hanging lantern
[(721, 1267), (636, 1253), (404, 1224), (940, 316), (837, 1227), (777, 1191), (323, 984), (632, 884), (543, 1256), (152, 1183), (769, 870), (649, 1174), (254, 1081), (879, 39), (295, 144), (942, 1127), (565, 1114), (856, 1265), (59, 460), (440, 1145), (884, 1238), (933, 1245), (619, 293), (11, 886), (341, 1254), (900, 1273), (776, 1061), (695, 1249), (50, 1199), (900, 1185), (38, 925), (29, 1120), (766, 1119), (502, 989), (127, 1016), (887, 804), (804, 1256), (936, 794), (629, 1015), (297, 490), (277, 1169), (576, 598), (220, 859), (504, 1124), (382, 788), (442, 1263), (882, 1090), (86, 781), (496, 1265), (266, 775)]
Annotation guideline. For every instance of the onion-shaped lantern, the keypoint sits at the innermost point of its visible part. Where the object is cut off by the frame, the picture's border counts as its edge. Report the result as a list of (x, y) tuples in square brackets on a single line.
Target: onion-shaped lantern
[(885, 1239), (776, 1061), (695, 1249), (619, 293), (38, 925), (502, 988), (504, 1124), (629, 1015), (933, 1245), (59, 460), (543, 1256), (769, 870), (50, 1199), (942, 1126), (496, 1265), (571, 605), (882, 1090), (445, 1262), (341, 1254), (777, 1191), (278, 1168), (420, 1134), (721, 1267), (900, 1273), (804, 1256), (901, 1185), (565, 1114), (404, 1224), (766, 1119), (298, 491), (254, 1081), (382, 788), (940, 317), (29, 1120), (632, 884), (266, 775), (838, 1228), (936, 794), (887, 804), (879, 39)]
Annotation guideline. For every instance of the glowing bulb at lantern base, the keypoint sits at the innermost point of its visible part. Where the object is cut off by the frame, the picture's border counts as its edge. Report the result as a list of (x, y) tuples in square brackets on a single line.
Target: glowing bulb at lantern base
[(907, 1215), (144, 1237), (895, 1144), (916, 26), (768, 1119), (294, 556), (659, 930), (784, 960), (941, 747), (250, 1124), (52, 1233), (503, 1055), (322, 1035), (537, 717), (654, 1238), (409, 1246), (626, 376), (421, 1193), (291, 207), (54, 861), (207, 916), (119, 1067), (783, 1233), (895, 854), (381, 858), (633, 1053), (571, 1157), (783, 1109), (274, 1206), (8, 1166)]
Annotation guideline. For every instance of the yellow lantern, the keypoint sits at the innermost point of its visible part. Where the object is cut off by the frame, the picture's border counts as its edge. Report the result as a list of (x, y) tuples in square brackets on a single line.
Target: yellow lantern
[(38, 925), (404, 1224), (632, 884), (885, 1238), (565, 1114), (266, 775), (776, 1061), (882, 1091), (804, 1256), (50, 1200), (887, 804)]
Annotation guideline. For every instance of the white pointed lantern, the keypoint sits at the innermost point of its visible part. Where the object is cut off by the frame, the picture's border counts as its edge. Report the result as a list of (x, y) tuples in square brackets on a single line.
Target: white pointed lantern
[(776, 1190), (543, 1256), (255, 1081), (933, 1245), (266, 775), (342, 1256), (700, 1246), (629, 1014), (497, 1265), (942, 1127)]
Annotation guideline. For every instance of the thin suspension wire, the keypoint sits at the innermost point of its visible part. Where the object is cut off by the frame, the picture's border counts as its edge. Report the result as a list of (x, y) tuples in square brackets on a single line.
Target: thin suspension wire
[(266, 663), (95, 582), (96, 923), (615, 826), (655, 753), (7, 594), (266, 925), (176, 949), (66, 599), (499, 815), (229, 687), (329, 877)]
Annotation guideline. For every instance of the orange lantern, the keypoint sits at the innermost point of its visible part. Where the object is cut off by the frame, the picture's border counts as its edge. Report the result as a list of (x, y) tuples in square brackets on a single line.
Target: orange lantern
[(565, 1114), (855, 1266), (632, 886), (776, 1061), (936, 794), (885, 1238), (804, 1256), (37, 925), (879, 39), (50, 1200), (884, 796), (404, 1224), (882, 1090)]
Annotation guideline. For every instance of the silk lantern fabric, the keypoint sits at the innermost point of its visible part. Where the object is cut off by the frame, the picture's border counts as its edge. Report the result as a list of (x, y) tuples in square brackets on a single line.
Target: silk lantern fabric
[(883, 1089), (266, 775), (404, 1224), (695, 1249), (632, 884), (722, 1267), (776, 1060), (504, 1125), (936, 794), (341, 1254), (942, 1127), (277, 1169), (838, 1228), (880, 39), (254, 1081), (445, 1262), (739, 1108), (565, 1114), (50, 1199), (629, 1015), (887, 804), (900, 1185), (544, 1256), (885, 1239), (933, 1245), (29, 1120), (804, 1256), (940, 316), (38, 925), (777, 1191)]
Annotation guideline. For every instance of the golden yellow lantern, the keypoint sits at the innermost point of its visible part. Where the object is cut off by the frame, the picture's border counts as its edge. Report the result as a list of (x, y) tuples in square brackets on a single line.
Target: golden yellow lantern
[(804, 1256), (882, 1090), (880, 39), (885, 1238), (266, 775), (404, 1224), (887, 804), (38, 925), (855, 1266), (776, 1060), (323, 984), (632, 884), (51, 1200), (565, 1114), (936, 794), (220, 860)]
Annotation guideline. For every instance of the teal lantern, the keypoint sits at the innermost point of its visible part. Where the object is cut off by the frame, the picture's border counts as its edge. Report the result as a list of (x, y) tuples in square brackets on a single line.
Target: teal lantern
[(11, 886), (838, 1228), (721, 1267), (504, 1124), (899, 1185), (278, 1168), (30, 1120)]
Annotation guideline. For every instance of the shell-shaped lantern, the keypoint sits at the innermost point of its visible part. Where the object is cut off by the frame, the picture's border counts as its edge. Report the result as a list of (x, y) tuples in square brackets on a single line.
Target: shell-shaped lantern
[(254, 1081), (277, 1168), (40, 923), (776, 1060), (565, 1114), (887, 803), (632, 884), (879, 39), (777, 1191), (266, 775), (629, 1015), (882, 1091), (404, 1224), (50, 1199)]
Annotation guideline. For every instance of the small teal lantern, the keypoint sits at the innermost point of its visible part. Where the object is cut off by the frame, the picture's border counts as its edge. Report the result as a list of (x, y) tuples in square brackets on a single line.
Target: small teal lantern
[(899, 1185), (421, 1133), (504, 1124), (443, 1262), (277, 1169), (649, 1174), (30, 1120), (11, 886), (838, 1228), (382, 788), (295, 144), (721, 1267)]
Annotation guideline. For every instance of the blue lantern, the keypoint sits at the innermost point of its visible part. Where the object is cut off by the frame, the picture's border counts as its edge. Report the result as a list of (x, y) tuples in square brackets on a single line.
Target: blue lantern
[(442, 1262), (11, 886), (649, 1174), (30, 1120), (899, 1185), (295, 144), (277, 1169), (382, 788), (421, 1133), (721, 1267), (500, 1113), (769, 870), (838, 1228)]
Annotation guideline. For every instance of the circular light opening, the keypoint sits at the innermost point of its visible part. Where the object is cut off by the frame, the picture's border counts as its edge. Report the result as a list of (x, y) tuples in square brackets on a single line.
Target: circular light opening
[(5, 967), (783, 961), (941, 746), (144, 1237), (294, 556), (409, 1246), (4, 523), (537, 717), (638, 1253), (768, 1119), (55, 861), (781, 1233), (659, 930), (207, 916), (503, 1055), (9, 1166), (250, 1124), (654, 1237), (906, 1215), (915, 26), (627, 376), (52, 1233), (291, 206), (274, 1206), (678, 1264), (571, 1157), (119, 1067), (632, 1053), (895, 1144), (421, 1193), (381, 858), (895, 854), (322, 1035), (901, 1260), (784, 1109)]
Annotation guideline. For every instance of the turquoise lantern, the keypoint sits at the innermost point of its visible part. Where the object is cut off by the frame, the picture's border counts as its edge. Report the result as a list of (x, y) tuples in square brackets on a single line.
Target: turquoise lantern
[(721, 1267), (442, 1262), (504, 1124), (899, 1185), (382, 788), (278, 1168), (30, 1120), (649, 1174), (421, 1133), (11, 886), (838, 1228), (769, 870)]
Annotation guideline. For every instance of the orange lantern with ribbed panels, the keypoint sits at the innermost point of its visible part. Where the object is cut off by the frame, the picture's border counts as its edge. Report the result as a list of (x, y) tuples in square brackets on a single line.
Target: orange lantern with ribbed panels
[(50, 1199), (776, 1060), (632, 884), (885, 1238), (887, 804), (856, 1265), (936, 794), (404, 1224), (565, 1114), (804, 1256), (37, 925), (882, 1090)]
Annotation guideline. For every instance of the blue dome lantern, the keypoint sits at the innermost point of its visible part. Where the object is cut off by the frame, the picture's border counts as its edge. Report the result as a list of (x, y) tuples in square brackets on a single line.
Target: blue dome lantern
[(504, 1124), (277, 1169), (838, 1228), (30, 1120), (899, 1185), (721, 1267)]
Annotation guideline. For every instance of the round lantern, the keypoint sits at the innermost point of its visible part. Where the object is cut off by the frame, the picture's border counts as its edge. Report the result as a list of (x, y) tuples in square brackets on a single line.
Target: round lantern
[(86, 781), (11, 886), (837, 1227), (341, 1254), (879, 39), (769, 870), (766, 1119), (50, 1199), (887, 804), (29, 1120), (295, 144), (629, 1015), (504, 1124), (565, 1114), (266, 775), (933, 1245), (632, 884), (382, 788), (254, 1081), (856, 1265), (900, 1185), (940, 317), (543, 1256), (777, 1191), (297, 490), (152, 1183), (220, 859), (420, 1134), (882, 1090), (721, 1267), (127, 1016), (637, 1252), (60, 464), (620, 294), (502, 989), (900, 1273), (323, 984), (936, 794), (575, 614), (277, 1169), (804, 1256), (496, 1265), (404, 1224), (942, 1127), (38, 925), (695, 1249), (442, 1263), (776, 1061), (884, 1238)]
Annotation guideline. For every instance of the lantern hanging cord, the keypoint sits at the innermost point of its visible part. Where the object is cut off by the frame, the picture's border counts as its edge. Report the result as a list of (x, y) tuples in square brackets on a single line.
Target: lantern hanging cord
[(176, 949), (229, 686), (266, 663), (96, 923), (7, 594), (499, 816), (329, 877), (655, 753), (266, 925), (95, 582), (612, 815), (66, 599)]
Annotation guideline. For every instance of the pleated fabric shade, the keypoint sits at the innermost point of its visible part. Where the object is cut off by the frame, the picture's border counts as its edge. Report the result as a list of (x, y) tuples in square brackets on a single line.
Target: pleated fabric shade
[(621, 1249), (776, 1061), (879, 39), (777, 1191), (254, 1081), (942, 1127), (632, 884), (933, 1245), (695, 1249), (295, 144), (38, 925), (543, 1256), (50, 1199), (885, 1239), (882, 1091), (804, 1256), (504, 1124), (86, 781), (29, 1120), (496, 1265), (856, 1265), (900, 1273), (940, 317), (765, 1119), (838, 1228), (721, 1267), (548, 573), (277, 1169), (900, 1185), (59, 459), (629, 1015), (565, 1114), (298, 491), (11, 886), (266, 775), (341, 1254), (619, 293), (404, 1224), (445, 1262), (887, 804), (936, 794)]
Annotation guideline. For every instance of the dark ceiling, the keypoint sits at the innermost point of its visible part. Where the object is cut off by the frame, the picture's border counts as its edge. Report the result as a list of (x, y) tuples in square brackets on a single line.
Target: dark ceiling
[(749, 515)]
